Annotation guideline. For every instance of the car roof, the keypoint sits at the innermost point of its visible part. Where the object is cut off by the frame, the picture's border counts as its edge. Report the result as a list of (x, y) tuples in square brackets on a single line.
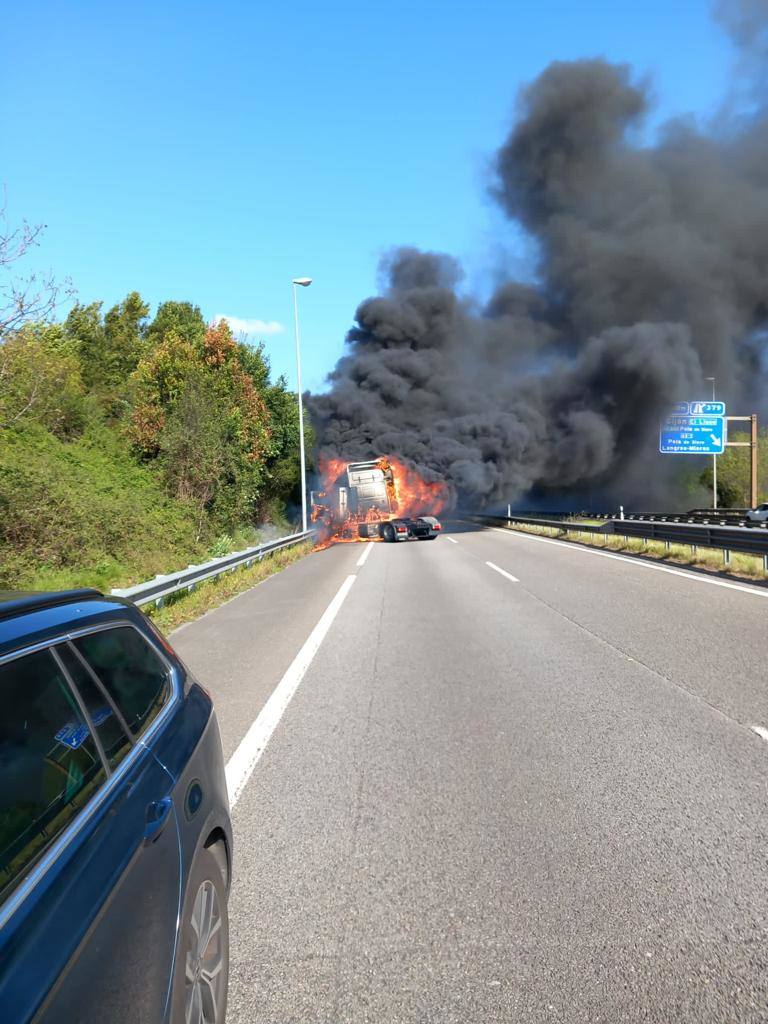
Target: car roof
[(17, 602), (28, 617)]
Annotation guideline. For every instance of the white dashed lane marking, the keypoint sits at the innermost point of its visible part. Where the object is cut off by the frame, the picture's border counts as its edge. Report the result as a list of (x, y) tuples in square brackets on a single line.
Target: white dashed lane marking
[(362, 558), (502, 572)]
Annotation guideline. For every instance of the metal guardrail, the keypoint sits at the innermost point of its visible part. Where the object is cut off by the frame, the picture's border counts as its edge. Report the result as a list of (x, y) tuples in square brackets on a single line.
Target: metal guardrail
[(555, 524), (724, 516), (721, 538), (161, 587)]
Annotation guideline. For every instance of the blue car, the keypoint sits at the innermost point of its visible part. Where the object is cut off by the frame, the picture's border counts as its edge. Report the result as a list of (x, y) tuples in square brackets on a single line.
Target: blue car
[(115, 835)]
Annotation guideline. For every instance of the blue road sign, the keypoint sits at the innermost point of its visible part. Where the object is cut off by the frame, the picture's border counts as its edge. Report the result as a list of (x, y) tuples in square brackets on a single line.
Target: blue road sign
[(682, 434), (699, 409)]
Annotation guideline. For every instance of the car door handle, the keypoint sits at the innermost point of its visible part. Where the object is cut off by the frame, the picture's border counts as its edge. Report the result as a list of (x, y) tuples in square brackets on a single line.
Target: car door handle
[(158, 816)]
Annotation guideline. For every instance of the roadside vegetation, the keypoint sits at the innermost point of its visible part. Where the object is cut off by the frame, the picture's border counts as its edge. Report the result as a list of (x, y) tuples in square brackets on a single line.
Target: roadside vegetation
[(733, 472), (744, 566), (212, 593), (132, 445)]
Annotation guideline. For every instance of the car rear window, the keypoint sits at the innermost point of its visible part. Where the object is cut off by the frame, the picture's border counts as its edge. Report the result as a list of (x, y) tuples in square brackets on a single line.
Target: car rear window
[(132, 672), (49, 762)]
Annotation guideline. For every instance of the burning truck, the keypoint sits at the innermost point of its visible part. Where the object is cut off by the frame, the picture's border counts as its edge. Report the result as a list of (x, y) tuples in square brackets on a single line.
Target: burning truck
[(376, 500)]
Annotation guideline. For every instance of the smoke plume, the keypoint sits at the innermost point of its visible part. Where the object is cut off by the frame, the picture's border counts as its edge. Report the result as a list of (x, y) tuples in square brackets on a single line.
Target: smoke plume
[(652, 275)]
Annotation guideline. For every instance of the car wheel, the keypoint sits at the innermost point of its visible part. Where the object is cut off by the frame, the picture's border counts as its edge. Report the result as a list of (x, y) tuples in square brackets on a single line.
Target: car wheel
[(202, 962), (388, 533)]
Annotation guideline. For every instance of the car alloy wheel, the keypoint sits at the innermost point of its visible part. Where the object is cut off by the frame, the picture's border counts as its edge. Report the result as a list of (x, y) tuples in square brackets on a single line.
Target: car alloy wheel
[(206, 951)]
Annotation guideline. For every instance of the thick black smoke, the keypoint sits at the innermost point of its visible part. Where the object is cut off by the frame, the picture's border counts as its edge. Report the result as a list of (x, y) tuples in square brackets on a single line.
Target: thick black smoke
[(653, 274)]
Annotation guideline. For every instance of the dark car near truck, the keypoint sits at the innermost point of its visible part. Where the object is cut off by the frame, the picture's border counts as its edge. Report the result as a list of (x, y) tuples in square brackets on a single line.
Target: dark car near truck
[(115, 835)]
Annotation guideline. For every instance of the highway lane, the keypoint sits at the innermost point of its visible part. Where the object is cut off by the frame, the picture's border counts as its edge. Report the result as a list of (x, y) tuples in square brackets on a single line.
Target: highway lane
[(685, 625), (493, 800)]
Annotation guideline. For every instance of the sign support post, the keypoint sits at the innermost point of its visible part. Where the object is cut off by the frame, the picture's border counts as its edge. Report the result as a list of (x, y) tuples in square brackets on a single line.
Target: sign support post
[(752, 445)]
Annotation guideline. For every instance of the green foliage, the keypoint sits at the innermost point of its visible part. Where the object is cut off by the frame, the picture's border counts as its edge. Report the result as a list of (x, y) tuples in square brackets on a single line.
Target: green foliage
[(129, 448), (255, 363), (84, 328), (733, 472), (109, 349), (181, 318), (223, 544), (283, 466), (195, 450), (41, 381), (202, 415), (84, 511), (124, 328)]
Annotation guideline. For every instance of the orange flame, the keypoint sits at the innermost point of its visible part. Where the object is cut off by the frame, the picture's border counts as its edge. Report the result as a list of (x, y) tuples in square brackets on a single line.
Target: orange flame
[(413, 495), (409, 495)]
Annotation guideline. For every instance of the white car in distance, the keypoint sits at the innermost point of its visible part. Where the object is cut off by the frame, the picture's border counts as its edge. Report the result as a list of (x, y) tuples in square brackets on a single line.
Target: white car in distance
[(757, 515)]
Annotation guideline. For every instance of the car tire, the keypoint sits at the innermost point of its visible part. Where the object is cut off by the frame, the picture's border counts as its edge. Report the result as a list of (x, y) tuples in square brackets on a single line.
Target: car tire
[(388, 533), (201, 974)]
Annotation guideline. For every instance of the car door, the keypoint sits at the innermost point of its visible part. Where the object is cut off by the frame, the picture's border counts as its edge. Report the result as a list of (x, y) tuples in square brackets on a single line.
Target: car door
[(91, 851)]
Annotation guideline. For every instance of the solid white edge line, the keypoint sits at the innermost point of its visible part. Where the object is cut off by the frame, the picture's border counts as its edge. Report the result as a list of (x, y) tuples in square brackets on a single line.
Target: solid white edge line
[(242, 763), (632, 561), (761, 732), (503, 572), (362, 558), (452, 540)]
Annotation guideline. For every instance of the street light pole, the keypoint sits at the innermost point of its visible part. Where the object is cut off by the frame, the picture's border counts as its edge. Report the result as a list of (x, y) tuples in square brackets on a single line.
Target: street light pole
[(714, 457), (303, 282)]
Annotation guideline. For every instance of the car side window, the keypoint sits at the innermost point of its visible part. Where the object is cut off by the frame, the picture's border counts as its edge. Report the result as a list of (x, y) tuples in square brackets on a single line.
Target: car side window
[(108, 723), (49, 763), (132, 672)]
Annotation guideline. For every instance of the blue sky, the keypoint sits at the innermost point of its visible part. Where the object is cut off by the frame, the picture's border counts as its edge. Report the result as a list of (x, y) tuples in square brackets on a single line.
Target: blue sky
[(212, 152)]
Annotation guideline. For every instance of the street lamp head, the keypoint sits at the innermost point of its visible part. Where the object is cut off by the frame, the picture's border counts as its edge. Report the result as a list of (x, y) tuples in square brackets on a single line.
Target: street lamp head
[(305, 282), (709, 378)]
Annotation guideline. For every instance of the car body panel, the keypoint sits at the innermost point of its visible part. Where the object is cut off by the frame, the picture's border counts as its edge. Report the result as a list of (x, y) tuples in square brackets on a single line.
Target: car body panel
[(94, 924), (105, 917), (758, 515)]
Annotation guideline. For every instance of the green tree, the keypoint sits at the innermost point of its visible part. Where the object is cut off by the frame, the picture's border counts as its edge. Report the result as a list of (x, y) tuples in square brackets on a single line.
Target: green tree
[(40, 380), (200, 412), (181, 318), (194, 444), (734, 472), (283, 466), (109, 348), (255, 363), (124, 327), (85, 328)]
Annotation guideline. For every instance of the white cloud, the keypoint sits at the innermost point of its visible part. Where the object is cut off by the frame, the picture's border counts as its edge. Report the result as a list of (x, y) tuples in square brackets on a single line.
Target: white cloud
[(250, 326)]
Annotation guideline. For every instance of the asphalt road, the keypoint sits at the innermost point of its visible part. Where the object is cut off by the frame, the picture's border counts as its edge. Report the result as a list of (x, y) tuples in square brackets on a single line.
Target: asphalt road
[(526, 797)]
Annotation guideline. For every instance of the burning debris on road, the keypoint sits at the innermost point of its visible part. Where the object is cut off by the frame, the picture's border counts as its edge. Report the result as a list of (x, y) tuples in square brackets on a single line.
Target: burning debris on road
[(652, 274)]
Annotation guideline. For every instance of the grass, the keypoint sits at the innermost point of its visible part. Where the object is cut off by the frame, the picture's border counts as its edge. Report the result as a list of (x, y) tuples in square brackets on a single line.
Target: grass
[(748, 567), (213, 593), (85, 513)]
